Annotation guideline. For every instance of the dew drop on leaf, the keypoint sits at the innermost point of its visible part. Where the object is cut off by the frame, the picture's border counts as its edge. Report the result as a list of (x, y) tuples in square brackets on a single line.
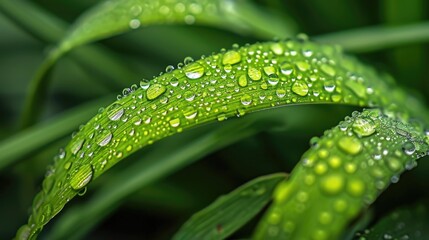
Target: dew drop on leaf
[(254, 74), (154, 91), (231, 57), (286, 68), (115, 112), (104, 138), (300, 88), (242, 80), (350, 145), (194, 70), (332, 184), (82, 177), (408, 148), (76, 146), (363, 127)]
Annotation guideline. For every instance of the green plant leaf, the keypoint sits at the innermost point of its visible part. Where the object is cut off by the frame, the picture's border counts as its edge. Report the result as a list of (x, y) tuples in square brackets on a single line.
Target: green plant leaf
[(409, 222), (341, 174), (230, 212), (113, 17), (217, 87)]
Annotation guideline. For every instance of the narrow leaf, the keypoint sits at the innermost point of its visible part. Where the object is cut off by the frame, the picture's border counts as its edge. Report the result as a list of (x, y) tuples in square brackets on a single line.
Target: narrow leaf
[(342, 174), (404, 223), (231, 211)]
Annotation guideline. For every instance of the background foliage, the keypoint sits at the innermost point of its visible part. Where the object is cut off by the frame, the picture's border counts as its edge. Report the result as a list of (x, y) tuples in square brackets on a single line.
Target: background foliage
[(78, 89)]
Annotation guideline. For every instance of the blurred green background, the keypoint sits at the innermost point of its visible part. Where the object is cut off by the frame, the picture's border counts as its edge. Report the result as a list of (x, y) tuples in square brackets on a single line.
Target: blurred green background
[(163, 206)]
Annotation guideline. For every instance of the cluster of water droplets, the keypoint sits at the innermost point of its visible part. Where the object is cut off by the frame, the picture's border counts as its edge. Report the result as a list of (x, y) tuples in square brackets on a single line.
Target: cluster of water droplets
[(342, 172), (189, 11)]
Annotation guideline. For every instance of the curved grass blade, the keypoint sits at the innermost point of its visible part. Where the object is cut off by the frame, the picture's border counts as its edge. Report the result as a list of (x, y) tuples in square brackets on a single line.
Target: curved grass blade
[(230, 212), (403, 223), (232, 83), (378, 37), (187, 148), (341, 174), (113, 17)]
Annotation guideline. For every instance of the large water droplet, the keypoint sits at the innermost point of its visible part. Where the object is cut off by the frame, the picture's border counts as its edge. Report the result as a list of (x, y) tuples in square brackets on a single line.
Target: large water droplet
[(242, 80), (328, 70), (254, 74), (155, 91), (231, 57), (409, 148), (355, 187), (363, 127), (194, 71), (76, 145), (104, 138), (189, 112), (300, 88), (286, 68), (115, 112), (303, 66), (246, 99), (332, 184), (350, 145), (82, 177)]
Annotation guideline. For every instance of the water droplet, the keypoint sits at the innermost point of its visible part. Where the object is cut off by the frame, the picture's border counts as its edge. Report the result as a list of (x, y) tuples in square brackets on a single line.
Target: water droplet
[(169, 68), (281, 93), (82, 177), (115, 111), (189, 112), (155, 91), (188, 60), (254, 74), (332, 184), (242, 80), (286, 68), (246, 99), (408, 148), (277, 48), (231, 57), (303, 66), (300, 88), (273, 79), (134, 23), (325, 218), (144, 84), (350, 145), (175, 122), (329, 86), (174, 81), (328, 70), (76, 146), (363, 127), (104, 138), (194, 71), (355, 187)]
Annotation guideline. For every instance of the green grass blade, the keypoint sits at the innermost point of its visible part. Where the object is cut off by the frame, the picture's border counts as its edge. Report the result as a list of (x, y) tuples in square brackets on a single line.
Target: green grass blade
[(403, 223), (232, 83), (230, 212), (22, 144), (342, 174), (379, 37)]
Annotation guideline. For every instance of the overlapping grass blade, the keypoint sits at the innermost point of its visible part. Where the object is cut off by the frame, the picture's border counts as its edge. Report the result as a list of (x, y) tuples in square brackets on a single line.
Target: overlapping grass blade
[(410, 222), (231, 211), (341, 174)]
